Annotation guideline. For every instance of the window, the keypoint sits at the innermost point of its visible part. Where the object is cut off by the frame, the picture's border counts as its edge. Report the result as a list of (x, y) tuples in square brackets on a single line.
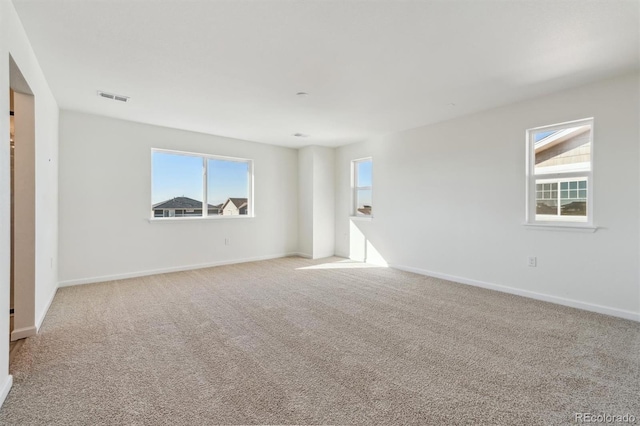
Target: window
[(362, 179), (560, 173), (183, 183)]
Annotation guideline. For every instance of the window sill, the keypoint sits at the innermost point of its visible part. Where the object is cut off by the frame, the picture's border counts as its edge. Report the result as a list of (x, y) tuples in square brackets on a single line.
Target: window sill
[(561, 227), (196, 219), (361, 218)]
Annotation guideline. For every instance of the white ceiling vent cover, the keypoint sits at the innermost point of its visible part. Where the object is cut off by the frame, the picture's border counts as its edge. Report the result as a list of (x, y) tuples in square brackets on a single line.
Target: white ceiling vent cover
[(113, 97)]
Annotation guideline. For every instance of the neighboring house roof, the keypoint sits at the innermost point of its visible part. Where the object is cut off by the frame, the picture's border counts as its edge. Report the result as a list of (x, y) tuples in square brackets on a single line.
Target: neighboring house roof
[(181, 203), (579, 207), (365, 210), (542, 208), (237, 202), (550, 139)]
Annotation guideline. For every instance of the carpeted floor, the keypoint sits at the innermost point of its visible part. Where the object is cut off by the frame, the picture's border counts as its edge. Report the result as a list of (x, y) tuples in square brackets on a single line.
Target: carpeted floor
[(286, 342)]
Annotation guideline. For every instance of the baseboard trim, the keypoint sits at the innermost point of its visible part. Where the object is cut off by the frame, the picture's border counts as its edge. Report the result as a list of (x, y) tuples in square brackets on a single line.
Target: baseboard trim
[(6, 387), (46, 309), (23, 333), (620, 313), (114, 277), (323, 255), (320, 256)]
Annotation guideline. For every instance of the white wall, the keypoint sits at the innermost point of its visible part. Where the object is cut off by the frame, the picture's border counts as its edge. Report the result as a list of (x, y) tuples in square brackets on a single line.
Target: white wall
[(13, 41), (105, 196), (449, 201), (316, 194), (305, 201), (323, 202)]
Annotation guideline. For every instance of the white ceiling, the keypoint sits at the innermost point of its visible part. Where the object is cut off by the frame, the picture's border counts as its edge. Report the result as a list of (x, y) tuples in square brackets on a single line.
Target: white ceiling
[(233, 68)]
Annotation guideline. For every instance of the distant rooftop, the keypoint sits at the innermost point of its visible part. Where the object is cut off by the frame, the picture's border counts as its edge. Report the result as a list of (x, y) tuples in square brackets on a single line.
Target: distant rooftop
[(181, 203), (238, 202), (545, 140)]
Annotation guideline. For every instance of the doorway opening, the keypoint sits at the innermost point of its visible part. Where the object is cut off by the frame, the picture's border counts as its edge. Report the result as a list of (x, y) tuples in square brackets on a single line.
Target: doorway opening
[(22, 188), (12, 132)]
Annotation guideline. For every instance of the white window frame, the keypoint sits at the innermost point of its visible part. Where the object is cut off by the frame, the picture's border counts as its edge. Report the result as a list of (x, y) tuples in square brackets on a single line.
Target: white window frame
[(355, 188), (205, 192), (552, 175)]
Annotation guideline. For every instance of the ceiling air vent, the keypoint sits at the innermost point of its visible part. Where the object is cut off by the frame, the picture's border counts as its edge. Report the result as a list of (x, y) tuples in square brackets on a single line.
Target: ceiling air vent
[(112, 96)]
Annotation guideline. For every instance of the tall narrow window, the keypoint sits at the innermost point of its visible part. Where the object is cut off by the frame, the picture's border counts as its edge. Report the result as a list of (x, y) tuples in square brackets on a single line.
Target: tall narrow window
[(182, 183), (362, 187), (559, 173)]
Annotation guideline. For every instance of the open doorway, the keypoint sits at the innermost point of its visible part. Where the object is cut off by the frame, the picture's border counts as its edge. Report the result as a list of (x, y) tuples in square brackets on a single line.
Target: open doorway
[(22, 163), (12, 133)]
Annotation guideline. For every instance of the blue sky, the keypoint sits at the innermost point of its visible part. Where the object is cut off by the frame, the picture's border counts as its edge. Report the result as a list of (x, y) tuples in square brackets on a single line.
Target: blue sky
[(181, 175), (227, 179), (541, 135), (364, 175)]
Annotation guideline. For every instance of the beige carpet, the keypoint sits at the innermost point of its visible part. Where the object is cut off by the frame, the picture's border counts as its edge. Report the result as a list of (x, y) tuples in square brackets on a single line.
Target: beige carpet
[(273, 343)]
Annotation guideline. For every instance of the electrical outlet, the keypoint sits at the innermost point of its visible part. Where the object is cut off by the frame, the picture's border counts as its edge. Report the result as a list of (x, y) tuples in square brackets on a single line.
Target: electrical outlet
[(227, 241), (533, 261)]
